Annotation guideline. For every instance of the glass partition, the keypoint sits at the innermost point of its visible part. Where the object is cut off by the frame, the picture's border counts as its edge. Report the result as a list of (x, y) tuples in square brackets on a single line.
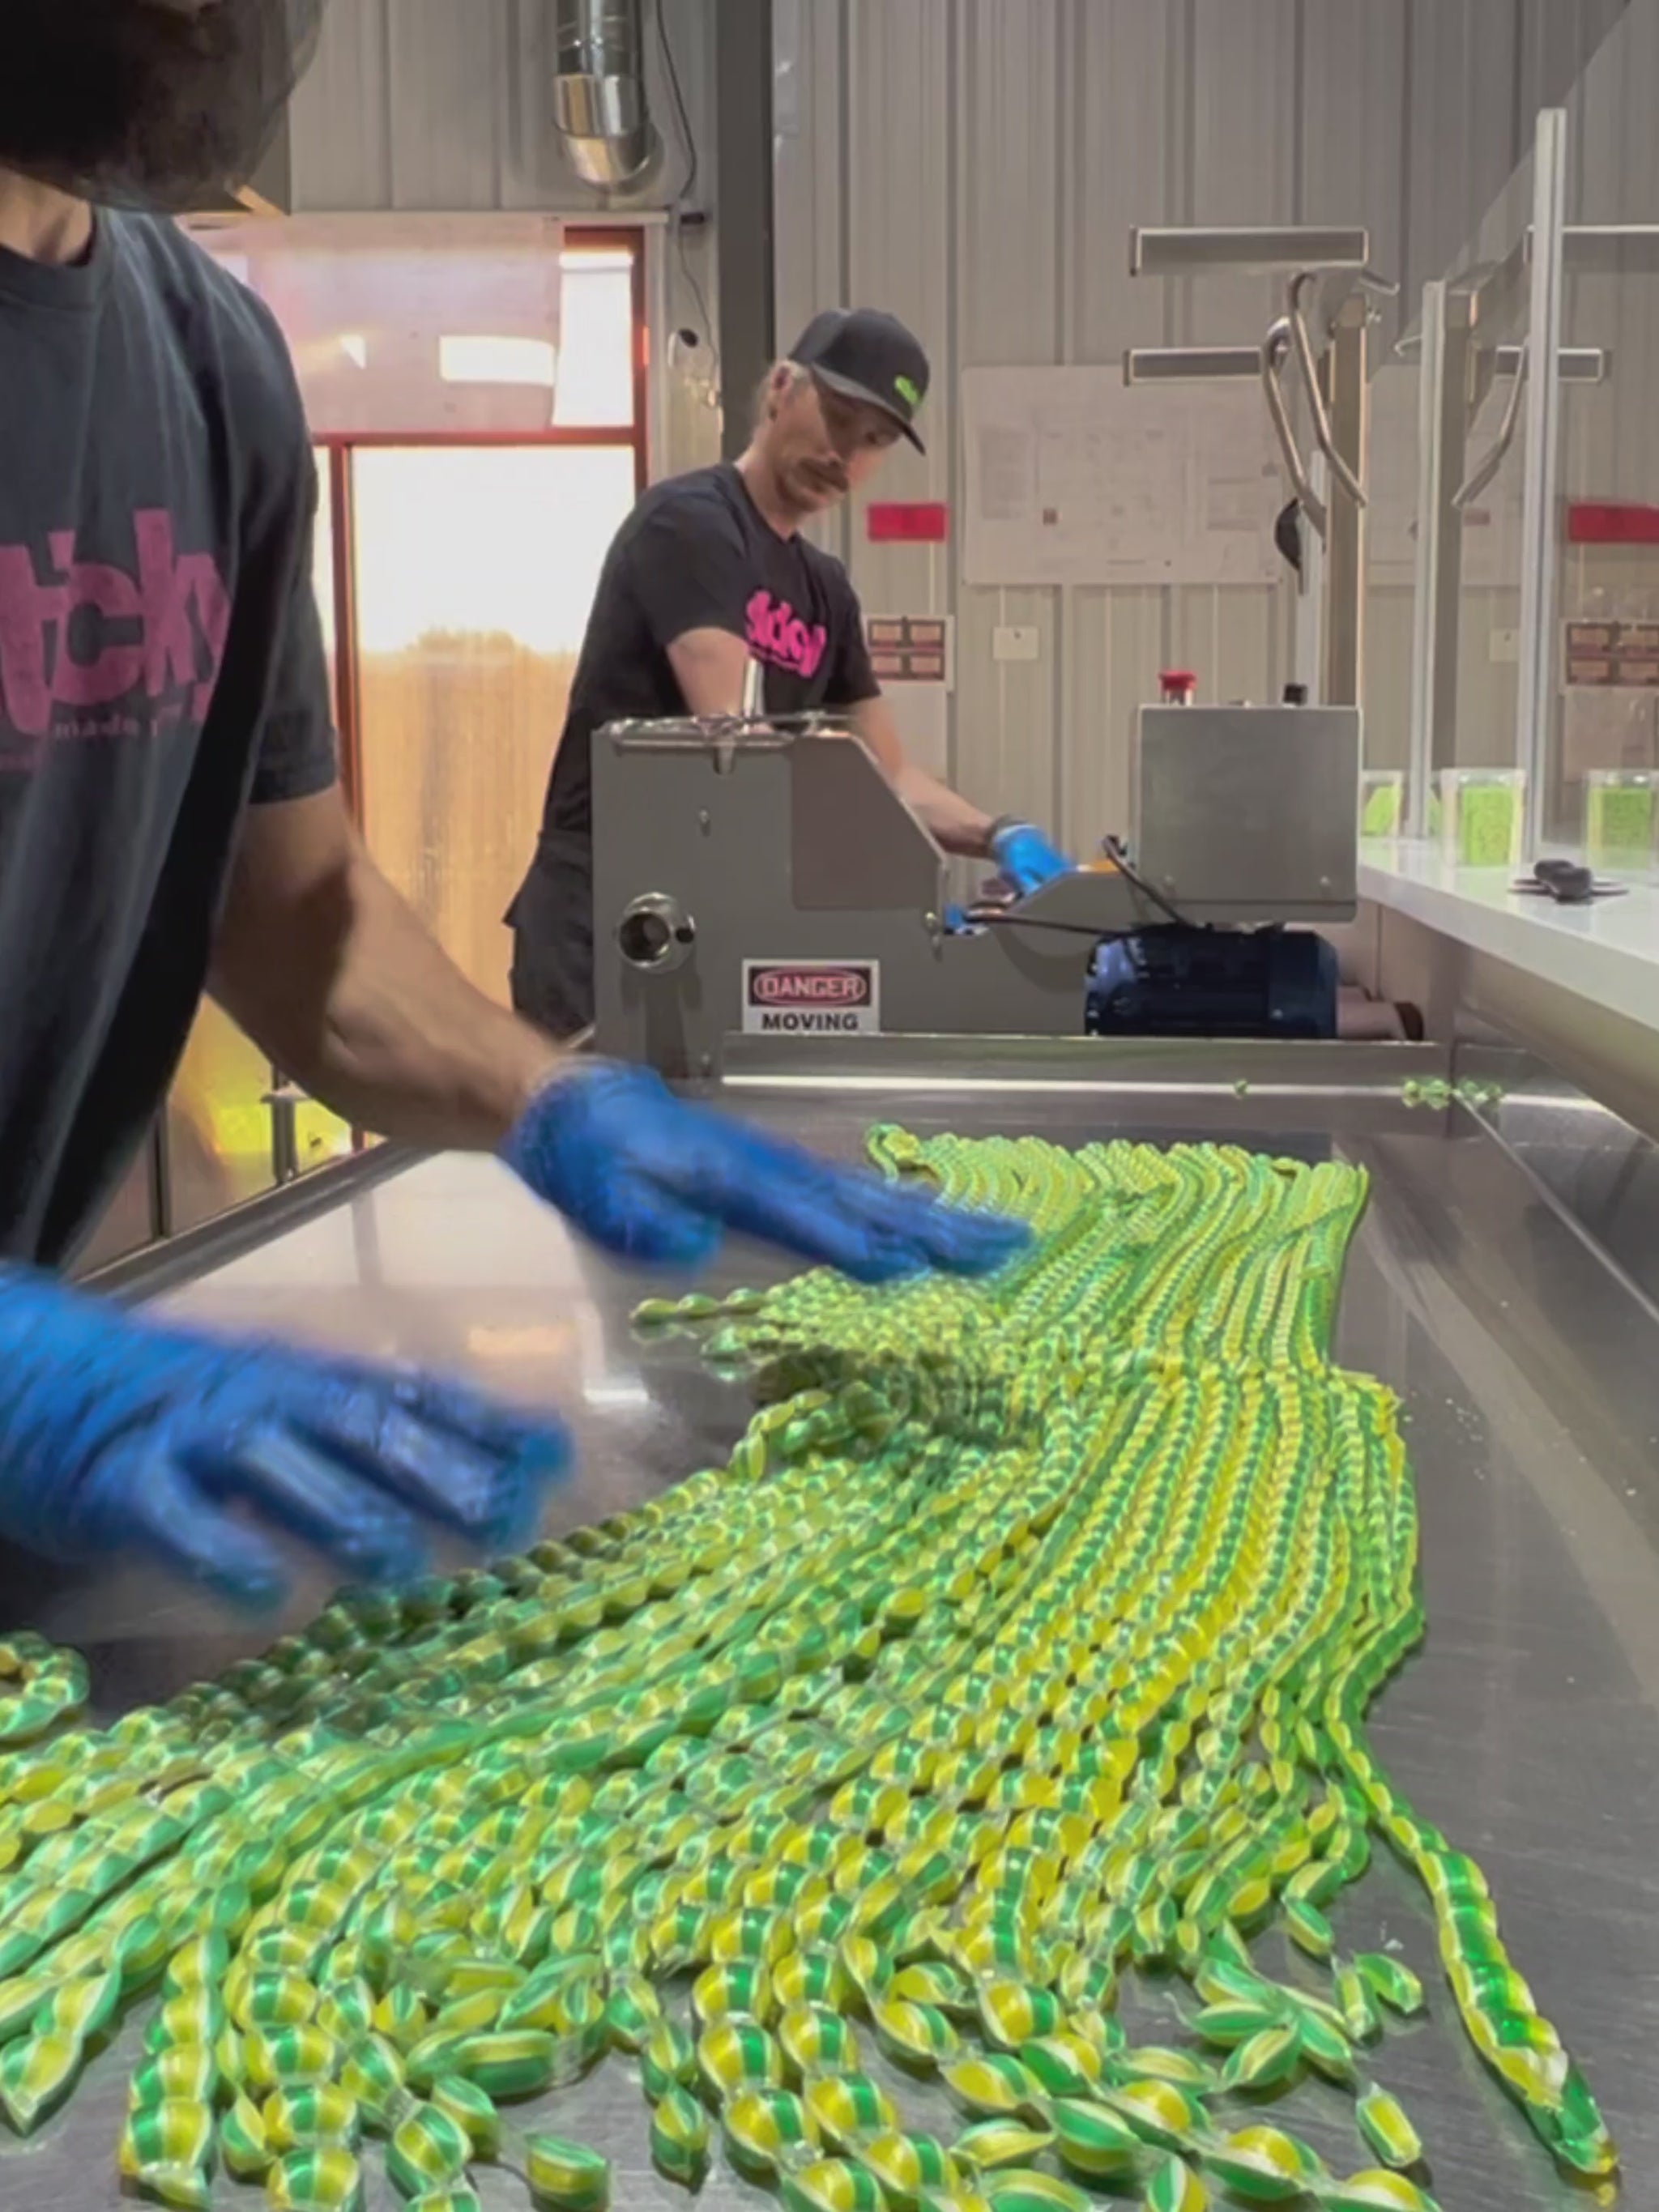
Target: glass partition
[(1464, 531), (1391, 534), (1599, 741)]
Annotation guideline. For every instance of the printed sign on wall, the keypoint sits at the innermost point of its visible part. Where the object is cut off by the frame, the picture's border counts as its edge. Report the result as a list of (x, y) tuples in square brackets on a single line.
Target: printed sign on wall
[(910, 648)]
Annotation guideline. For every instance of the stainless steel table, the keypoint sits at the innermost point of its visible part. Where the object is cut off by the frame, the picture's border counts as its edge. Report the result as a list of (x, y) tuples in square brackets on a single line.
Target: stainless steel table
[(1528, 1727)]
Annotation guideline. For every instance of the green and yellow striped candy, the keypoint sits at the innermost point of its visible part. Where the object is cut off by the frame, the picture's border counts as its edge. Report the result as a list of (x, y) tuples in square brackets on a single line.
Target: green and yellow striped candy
[(243, 2146), (1354, 2001), (1012, 2013), (1378, 2191), (1172, 2186), (910, 2168), (284, 2057), (1267, 2061), (994, 2086), (1308, 1928), (1027, 2188), (427, 2150), (310, 2115), (1152, 2061), (324, 2178), (913, 2035), (831, 2186), (165, 2151), (34, 2075), (516, 2063), (188, 2073), (815, 2040), (765, 2132), (990, 2145), (445, 2200), (1162, 2115), (1395, 1982), (374, 2075), (1095, 2141), (848, 2109), (565, 2176), (1388, 2134), (739, 2054), (669, 2057), (1066, 2064), (679, 2136), (471, 2109), (1264, 2165)]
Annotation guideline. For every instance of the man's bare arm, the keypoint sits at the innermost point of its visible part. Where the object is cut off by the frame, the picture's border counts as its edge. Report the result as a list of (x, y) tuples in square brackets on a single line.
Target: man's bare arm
[(333, 975), (956, 823)]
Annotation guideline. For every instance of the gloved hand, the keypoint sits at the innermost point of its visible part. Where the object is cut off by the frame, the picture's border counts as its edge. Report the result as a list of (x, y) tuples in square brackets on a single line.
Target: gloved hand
[(653, 1177), (117, 1434), (1025, 857)]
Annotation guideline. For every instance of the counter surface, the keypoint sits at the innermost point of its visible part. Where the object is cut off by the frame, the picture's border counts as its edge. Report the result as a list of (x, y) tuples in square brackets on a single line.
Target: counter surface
[(1528, 1727)]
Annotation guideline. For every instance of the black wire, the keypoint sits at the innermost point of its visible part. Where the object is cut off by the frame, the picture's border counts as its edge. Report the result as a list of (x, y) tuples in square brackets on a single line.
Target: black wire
[(1120, 859), (682, 197), (674, 86)]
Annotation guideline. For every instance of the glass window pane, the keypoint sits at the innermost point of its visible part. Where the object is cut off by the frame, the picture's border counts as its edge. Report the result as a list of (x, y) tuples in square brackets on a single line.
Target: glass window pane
[(475, 570), (219, 1137), (595, 386)]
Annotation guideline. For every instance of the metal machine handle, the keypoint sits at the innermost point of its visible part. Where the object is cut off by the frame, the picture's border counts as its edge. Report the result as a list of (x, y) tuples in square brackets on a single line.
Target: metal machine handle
[(1274, 347), (1302, 341), (1485, 472)]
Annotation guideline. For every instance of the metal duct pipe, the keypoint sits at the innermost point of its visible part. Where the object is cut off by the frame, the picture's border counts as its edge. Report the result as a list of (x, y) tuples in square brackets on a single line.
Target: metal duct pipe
[(598, 91)]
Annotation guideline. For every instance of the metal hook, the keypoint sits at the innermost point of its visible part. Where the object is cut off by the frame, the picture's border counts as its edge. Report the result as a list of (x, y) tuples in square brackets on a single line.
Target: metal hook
[(1274, 347), (1482, 474), (1340, 473)]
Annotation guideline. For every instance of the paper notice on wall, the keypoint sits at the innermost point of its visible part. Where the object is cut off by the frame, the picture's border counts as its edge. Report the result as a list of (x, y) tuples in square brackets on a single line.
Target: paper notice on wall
[(1074, 477)]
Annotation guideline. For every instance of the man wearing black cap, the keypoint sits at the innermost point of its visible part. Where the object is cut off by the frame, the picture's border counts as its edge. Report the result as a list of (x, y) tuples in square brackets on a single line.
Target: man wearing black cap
[(170, 819), (710, 573)]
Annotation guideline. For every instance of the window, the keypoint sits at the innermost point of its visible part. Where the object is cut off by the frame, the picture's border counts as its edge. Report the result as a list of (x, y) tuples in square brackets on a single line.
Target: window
[(460, 538), (474, 573)]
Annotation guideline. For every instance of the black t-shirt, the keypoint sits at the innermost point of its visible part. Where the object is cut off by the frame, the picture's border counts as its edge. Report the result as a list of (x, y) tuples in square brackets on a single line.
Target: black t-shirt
[(160, 665), (695, 554)]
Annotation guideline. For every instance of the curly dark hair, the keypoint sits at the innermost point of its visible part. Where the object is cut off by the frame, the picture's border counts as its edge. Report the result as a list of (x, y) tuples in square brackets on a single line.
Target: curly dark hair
[(149, 103)]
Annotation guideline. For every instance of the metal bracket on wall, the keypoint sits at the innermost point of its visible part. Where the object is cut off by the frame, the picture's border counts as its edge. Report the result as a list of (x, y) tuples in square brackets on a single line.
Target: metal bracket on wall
[(1330, 287)]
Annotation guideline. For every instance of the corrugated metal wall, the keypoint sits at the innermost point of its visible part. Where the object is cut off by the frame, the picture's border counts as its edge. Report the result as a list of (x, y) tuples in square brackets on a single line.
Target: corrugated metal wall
[(976, 165)]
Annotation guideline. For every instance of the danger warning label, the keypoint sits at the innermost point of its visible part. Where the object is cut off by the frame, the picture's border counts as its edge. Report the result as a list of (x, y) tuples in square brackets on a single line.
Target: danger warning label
[(812, 998)]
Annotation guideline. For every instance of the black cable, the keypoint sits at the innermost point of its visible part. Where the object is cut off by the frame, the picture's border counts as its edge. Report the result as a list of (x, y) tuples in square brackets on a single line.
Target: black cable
[(687, 137), (682, 197), (1115, 852)]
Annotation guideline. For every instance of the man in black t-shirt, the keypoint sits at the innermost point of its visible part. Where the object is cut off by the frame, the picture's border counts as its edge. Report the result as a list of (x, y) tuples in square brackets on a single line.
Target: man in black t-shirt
[(170, 820), (710, 573)]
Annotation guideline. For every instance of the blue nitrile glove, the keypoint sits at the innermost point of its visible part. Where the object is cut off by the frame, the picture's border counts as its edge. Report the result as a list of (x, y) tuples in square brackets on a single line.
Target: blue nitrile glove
[(117, 1435), (1025, 857), (652, 1178)]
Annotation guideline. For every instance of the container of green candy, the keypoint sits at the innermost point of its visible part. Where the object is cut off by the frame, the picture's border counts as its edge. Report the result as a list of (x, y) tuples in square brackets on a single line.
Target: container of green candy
[(1483, 816), (1381, 802), (1621, 818)]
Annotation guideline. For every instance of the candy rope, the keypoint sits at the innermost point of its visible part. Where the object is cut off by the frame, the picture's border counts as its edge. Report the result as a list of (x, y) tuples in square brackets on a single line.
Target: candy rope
[(1024, 1643)]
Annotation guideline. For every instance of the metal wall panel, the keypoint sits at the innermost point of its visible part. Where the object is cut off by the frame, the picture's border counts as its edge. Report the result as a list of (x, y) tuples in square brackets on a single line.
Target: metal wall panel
[(976, 165)]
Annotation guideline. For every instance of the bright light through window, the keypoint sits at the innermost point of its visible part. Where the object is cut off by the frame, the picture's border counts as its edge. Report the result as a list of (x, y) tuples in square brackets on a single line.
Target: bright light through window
[(596, 331), (497, 361)]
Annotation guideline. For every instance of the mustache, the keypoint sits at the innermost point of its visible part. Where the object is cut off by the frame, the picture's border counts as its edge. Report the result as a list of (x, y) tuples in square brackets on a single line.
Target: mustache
[(147, 100)]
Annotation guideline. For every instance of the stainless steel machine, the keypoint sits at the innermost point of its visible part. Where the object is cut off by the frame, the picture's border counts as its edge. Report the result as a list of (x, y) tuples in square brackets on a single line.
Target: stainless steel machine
[(765, 879)]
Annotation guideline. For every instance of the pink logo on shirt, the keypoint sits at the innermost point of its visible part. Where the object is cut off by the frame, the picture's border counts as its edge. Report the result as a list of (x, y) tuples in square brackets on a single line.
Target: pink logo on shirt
[(128, 655), (777, 634)]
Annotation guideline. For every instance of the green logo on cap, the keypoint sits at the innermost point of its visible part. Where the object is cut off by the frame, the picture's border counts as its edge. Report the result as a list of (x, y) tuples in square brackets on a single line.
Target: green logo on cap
[(907, 391)]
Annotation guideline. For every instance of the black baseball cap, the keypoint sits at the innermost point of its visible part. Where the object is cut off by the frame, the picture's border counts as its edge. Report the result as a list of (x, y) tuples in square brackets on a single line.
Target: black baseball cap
[(865, 354)]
